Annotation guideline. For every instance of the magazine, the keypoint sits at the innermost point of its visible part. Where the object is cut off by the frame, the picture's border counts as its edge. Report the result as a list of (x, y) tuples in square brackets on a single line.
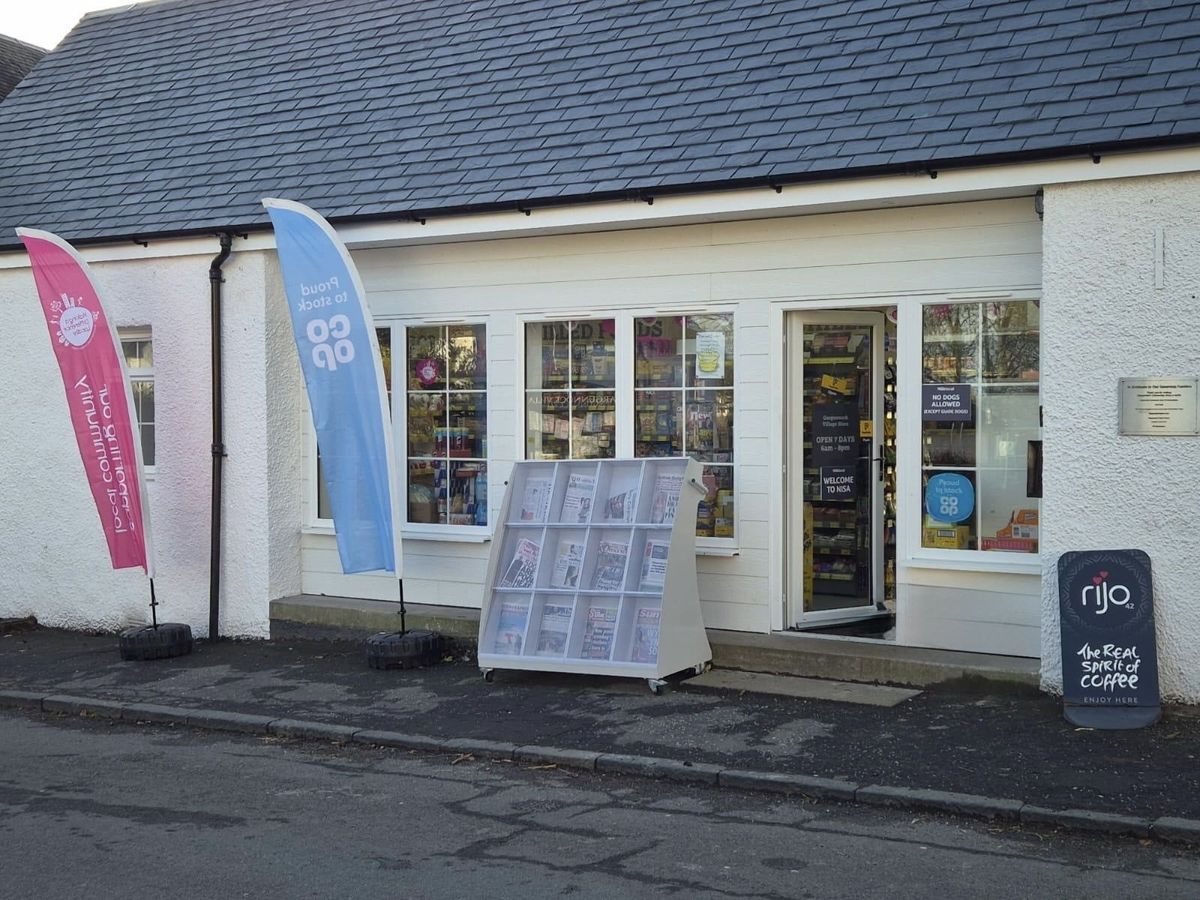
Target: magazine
[(567, 565), (622, 507), (552, 633), (577, 502), (645, 636), (510, 628), (610, 566), (666, 498), (522, 568), (599, 632), (536, 502), (654, 564)]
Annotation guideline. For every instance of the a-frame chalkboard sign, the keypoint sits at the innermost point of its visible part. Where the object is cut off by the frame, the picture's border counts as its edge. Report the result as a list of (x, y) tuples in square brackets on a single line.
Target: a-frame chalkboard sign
[(1109, 654)]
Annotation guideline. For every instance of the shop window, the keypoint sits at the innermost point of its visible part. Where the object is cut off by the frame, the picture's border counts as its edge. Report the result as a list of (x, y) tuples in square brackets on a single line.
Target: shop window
[(384, 337), (683, 403), (138, 349), (570, 389), (980, 412), (446, 441)]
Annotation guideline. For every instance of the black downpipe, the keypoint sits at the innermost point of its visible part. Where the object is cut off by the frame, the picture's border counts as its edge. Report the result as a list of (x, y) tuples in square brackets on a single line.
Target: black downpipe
[(215, 280)]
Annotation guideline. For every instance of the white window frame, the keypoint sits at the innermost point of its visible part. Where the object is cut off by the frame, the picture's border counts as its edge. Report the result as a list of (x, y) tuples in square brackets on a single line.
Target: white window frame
[(909, 357), (399, 377), (624, 390), (142, 333)]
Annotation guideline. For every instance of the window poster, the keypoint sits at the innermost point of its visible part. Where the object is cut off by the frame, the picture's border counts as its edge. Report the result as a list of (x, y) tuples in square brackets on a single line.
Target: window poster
[(946, 403), (710, 354), (838, 483), (834, 434)]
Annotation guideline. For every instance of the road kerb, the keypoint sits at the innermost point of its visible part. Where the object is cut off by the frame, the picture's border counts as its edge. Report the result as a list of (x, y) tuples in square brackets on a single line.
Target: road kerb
[(1166, 828), (318, 730), (1086, 820), (558, 756), (21, 699), (941, 801), (1176, 830), (784, 783), (74, 706), (400, 741), (657, 767)]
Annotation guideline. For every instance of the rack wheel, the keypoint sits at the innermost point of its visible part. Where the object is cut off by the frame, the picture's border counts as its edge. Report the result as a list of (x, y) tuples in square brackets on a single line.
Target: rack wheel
[(489, 675), (701, 668), (658, 687)]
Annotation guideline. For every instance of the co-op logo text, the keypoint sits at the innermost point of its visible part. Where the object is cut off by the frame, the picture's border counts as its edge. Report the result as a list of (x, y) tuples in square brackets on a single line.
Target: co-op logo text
[(1103, 594), (329, 337)]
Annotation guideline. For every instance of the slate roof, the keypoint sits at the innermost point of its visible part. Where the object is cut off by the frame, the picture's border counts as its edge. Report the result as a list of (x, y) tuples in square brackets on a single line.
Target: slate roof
[(179, 115), (16, 59)]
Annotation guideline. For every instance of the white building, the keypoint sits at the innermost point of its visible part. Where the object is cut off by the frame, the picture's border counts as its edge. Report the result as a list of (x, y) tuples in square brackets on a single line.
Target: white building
[(859, 252)]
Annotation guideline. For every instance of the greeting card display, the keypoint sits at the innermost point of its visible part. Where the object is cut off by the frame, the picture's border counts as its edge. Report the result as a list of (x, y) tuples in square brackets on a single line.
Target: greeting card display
[(593, 570)]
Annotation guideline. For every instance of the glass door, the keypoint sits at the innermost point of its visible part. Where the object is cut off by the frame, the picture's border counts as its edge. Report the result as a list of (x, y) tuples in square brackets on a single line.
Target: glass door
[(835, 468)]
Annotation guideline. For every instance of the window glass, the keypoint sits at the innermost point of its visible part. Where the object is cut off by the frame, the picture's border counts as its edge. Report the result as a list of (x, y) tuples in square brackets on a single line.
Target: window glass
[(570, 396), (980, 411), (446, 443), (139, 363), (683, 403)]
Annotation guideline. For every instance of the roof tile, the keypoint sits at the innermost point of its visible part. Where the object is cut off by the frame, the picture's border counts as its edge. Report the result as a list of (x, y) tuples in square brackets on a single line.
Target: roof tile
[(178, 115)]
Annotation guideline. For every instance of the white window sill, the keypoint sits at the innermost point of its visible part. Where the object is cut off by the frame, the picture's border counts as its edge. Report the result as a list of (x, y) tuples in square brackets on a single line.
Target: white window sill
[(971, 562), (458, 534), (701, 550)]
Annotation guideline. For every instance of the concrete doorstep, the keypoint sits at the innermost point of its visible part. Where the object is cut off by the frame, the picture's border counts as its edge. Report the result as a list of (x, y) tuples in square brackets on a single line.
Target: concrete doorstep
[(1165, 828)]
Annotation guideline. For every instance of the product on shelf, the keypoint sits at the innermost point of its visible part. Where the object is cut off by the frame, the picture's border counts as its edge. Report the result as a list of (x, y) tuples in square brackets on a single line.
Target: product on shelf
[(599, 632), (553, 630), (622, 507), (567, 565), (666, 498), (645, 635), (611, 557), (654, 564), (577, 501), (522, 568), (535, 503), (510, 628)]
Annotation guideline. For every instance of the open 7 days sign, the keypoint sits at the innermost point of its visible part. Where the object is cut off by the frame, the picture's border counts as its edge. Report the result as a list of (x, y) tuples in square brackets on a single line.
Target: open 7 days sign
[(1109, 657)]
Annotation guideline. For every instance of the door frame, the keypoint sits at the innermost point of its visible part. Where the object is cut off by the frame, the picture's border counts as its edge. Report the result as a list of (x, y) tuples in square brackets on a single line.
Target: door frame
[(793, 323)]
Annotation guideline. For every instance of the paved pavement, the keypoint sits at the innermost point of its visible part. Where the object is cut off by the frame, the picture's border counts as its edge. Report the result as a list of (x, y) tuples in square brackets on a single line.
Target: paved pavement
[(1015, 747), (97, 809)]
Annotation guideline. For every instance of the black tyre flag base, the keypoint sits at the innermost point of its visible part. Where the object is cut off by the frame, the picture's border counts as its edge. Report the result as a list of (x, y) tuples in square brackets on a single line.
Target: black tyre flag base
[(170, 639), (164, 640), (404, 649)]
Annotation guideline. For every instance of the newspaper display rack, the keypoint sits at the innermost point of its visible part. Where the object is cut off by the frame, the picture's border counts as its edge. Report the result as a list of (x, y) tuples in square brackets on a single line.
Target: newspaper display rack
[(593, 570)]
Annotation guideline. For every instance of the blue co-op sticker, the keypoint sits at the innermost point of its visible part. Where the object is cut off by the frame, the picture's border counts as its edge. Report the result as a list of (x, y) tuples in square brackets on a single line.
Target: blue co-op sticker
[(949, 497)]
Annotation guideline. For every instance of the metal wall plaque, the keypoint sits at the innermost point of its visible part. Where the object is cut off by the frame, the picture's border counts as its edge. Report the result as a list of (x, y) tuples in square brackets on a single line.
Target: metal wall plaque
[(1159, 406)]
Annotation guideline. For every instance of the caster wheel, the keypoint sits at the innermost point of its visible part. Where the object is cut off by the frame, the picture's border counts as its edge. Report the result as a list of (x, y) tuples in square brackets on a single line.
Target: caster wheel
[(658, 687), (489, 676)]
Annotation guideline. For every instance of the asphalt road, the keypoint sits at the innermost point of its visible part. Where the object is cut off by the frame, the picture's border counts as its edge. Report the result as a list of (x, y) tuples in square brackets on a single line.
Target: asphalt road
[(95, 809)]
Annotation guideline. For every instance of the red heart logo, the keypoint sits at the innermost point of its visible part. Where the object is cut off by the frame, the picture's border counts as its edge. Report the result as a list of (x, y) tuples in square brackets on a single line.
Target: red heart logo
[(1096, 579), (1103, 574)]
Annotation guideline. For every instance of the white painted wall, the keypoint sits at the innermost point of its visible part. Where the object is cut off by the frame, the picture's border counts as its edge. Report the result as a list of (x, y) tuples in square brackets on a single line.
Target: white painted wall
[(54, 562), (750, 267), (1103, 318)]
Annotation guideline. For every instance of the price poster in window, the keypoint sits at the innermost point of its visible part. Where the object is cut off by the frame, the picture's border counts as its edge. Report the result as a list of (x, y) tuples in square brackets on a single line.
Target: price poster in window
[(710, 354)]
